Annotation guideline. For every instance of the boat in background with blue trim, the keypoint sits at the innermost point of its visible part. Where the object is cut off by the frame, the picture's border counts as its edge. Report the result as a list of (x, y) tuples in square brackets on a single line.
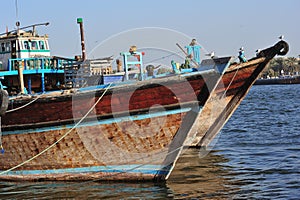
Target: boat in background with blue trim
[(286, 79), (23, 51)]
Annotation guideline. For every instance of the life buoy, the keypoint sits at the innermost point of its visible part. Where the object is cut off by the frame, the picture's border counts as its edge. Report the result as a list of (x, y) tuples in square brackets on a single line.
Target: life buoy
[(3, 101)]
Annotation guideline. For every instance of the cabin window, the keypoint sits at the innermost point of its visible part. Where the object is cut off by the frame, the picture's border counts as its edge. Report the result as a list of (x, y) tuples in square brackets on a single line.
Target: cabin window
[(46, 45), (7, 46), (42, 44), (14, 45), (34, 45), (2, 47), (20, 45), (26, 45)]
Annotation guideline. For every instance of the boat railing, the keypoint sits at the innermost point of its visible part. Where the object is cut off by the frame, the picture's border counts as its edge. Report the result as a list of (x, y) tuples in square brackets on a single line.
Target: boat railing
[(132, 59), (43, 63)]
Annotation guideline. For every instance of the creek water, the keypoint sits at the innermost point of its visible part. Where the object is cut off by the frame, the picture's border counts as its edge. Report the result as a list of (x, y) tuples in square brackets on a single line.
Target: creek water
[(255, 156)]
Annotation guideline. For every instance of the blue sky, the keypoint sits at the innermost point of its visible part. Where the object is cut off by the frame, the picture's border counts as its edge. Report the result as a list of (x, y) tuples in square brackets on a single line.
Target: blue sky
[(218, 25)]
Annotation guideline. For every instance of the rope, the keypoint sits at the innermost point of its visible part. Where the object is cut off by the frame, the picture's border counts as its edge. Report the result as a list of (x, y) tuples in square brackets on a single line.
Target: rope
[(207, 119), (223, 95), (1, 147), (230, 83), (15, 109), (67, 133), (125, 171), (173, 151), (163, 57)]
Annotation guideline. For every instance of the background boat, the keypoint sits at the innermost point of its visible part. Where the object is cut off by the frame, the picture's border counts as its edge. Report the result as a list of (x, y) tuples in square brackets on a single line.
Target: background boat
[(278, 81)]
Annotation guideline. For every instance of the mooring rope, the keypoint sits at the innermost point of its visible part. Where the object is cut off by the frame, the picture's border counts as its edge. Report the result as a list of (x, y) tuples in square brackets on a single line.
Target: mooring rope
[(123, 171), (207, 119), (67, 133), (164, 57), (230, 82), (173, 151), (1, 147), (18, 108), (157, 158), (224, 94)]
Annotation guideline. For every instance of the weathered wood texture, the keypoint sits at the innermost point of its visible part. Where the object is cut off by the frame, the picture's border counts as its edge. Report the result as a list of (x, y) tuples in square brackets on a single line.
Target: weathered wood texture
[(64, 108), (231, 90), (153, 140), (100, 145)]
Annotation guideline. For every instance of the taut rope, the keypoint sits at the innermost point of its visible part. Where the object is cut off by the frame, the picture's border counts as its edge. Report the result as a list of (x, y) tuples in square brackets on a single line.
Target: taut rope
[(68, 132)]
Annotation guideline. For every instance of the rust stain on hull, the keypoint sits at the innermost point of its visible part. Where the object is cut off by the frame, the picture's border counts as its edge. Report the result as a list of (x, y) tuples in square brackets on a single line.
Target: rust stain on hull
[(88, 146)]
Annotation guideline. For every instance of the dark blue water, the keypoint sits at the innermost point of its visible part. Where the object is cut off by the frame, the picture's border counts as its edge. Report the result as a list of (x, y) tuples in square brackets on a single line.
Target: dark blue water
[(262, 143), (256, 156)]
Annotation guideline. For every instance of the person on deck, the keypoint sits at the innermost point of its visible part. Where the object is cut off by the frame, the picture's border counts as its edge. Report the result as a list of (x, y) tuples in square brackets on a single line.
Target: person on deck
[(242, 56)]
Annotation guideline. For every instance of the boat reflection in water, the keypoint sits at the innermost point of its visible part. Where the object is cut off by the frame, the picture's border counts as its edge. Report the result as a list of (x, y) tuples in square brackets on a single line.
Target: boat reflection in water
[(201, 178), (193, 177)]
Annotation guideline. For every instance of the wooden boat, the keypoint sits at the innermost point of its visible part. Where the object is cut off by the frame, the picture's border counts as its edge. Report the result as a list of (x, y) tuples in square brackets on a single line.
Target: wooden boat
[(28, 53), (278, 81), (231, 90), (120, 129)]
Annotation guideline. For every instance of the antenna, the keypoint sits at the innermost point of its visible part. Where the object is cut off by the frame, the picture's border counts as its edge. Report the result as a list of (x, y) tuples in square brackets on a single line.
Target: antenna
[(17, 12)]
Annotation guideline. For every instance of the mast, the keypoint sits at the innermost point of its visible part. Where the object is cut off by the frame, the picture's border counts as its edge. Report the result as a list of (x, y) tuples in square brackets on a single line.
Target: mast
[(80, 22)]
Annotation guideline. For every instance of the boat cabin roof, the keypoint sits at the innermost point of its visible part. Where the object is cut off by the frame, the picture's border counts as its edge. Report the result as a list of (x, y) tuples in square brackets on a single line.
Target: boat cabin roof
[(21, 34)]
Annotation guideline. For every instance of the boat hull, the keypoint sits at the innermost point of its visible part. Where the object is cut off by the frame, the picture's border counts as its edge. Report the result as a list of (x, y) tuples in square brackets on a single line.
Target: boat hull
[(231, 90), (223, 102), (47, 109), (122, 132), (94, 150), (278, 81)]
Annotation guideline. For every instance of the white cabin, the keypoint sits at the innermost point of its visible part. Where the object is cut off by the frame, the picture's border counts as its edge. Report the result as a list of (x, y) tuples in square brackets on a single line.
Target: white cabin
[(22, 44)]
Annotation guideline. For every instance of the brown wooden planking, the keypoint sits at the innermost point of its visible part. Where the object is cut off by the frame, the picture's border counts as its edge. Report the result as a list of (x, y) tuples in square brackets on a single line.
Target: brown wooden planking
[(72, 152), (99, 176), (232, 82), (240, 86), (47, 111)]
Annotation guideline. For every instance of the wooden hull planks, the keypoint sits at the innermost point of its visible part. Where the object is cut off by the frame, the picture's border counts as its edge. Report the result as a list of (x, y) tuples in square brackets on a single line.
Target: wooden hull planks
[(134, 132), (231, 90), (93, 150), (63, 108)]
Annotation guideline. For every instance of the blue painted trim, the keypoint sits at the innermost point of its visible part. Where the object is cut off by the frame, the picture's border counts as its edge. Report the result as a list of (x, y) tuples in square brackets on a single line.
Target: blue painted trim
[(34, 50), (32, 71), (186, 73), (201, 71), (5, 52), (144, 169), (43, 81), (96, 87), (96, 122)]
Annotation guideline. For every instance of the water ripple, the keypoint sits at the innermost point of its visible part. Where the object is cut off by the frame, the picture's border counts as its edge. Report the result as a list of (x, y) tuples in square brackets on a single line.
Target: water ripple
[(257, 156)]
